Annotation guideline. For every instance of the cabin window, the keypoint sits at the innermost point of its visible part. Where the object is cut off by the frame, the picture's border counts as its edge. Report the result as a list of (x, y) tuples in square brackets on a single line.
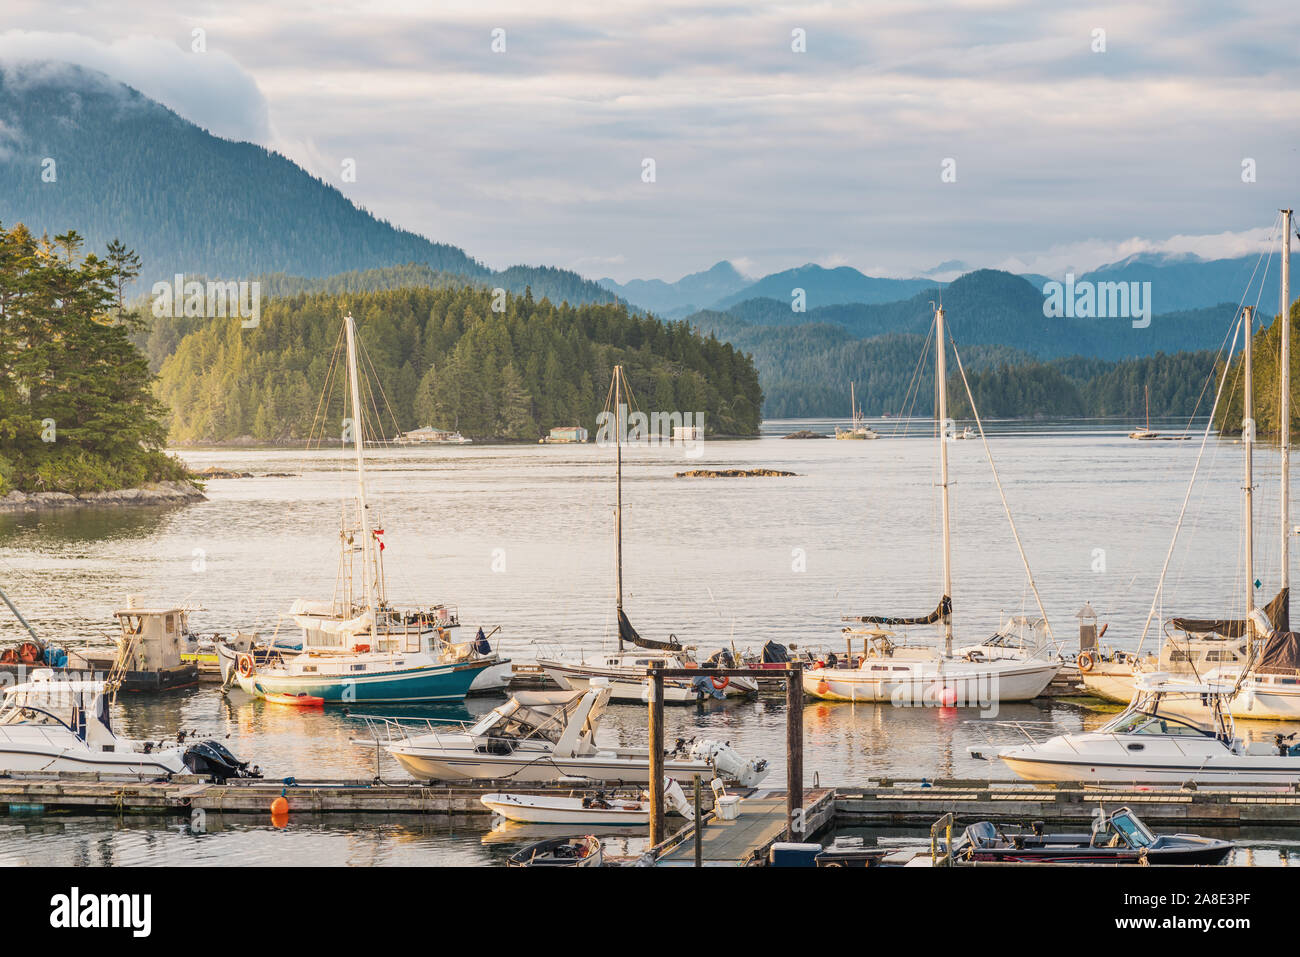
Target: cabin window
[(171, 624), (412, 642), (358, 667), (311, 668)]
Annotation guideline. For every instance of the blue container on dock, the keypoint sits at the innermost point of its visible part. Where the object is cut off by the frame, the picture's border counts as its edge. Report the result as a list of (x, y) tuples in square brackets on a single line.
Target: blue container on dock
[(787, 854)]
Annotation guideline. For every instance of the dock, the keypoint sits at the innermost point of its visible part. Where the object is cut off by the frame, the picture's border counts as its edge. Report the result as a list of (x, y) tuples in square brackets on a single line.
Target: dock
[(761, 822)]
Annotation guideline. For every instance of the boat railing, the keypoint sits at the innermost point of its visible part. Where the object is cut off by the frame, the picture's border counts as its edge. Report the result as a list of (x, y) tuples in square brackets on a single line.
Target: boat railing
[(391, 730)]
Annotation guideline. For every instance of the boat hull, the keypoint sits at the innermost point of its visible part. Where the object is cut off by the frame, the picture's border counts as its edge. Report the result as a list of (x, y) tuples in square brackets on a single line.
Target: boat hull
[(433, 683), (540, 809), (532, 766), (1103, 769), (930, 686)]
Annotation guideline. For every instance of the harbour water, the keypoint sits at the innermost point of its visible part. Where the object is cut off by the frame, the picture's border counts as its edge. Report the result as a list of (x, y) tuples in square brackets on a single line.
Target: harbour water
[(521, 537)]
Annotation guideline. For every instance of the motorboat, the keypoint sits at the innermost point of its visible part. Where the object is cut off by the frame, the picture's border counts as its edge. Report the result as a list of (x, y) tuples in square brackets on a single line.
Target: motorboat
[(1153, 742), (560, 852), (1116, 838), (56, 725), (358, 646), (623, 671), (885, 670), (542, 736), (592, 809)]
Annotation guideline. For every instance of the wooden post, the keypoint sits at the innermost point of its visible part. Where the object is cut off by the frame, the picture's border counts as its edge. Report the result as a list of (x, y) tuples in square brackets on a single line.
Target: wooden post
[(656, 756), (794, 822), (699, 826)]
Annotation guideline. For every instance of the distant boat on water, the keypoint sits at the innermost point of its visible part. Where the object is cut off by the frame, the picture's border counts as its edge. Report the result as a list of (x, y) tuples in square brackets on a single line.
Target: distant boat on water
[(1145, 434), (430, 436), (860, 429)]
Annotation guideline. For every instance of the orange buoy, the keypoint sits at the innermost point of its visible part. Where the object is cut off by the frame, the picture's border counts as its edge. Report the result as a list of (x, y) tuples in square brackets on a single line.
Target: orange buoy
[(823, 687), (280, 807)]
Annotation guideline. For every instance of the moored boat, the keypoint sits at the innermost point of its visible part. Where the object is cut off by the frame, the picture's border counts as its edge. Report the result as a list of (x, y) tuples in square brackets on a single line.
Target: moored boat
[(560, 852)]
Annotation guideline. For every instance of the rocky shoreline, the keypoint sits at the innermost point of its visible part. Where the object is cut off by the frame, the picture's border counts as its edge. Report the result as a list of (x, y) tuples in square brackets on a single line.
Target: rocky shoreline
[(155, 493), (733, 473)]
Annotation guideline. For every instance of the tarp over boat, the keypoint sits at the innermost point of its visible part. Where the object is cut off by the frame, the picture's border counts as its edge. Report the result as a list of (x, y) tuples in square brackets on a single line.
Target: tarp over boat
[(627, 633), (943, 612), (1280, 655), (1276, 610)]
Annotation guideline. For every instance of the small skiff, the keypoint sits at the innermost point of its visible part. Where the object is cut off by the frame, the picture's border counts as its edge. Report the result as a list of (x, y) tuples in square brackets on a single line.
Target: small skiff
[(297, 700), (560, 852), (546, 809)]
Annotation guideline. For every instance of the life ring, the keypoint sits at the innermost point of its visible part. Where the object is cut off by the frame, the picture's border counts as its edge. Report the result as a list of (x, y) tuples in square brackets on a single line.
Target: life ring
[(244, 665), (1086, 662), (720, 683)]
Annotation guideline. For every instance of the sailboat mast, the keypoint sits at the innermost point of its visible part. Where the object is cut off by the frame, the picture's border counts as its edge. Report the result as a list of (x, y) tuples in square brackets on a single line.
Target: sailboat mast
[(941, 381), (1284, 422), (1248, 443), (358, 441), (618, 498), (853, 404), (1148, 401)]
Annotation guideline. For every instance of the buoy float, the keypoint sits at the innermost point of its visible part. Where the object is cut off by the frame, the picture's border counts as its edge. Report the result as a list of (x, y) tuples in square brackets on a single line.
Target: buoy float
[(823, 687), (949, 697), (280, 811)]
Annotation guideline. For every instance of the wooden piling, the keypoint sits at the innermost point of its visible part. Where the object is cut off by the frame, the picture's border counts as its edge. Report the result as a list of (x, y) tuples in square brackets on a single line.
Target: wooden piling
[(656, 755), (794, 817), (699, 825)]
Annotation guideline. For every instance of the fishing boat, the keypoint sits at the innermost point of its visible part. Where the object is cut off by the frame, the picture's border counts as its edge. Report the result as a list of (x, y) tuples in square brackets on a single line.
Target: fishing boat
[(585, 810), (1120, 837), (1153, 742), (359, 647), (859, 429), (1227, 650), (885, 670), (623, 671), (541, 736), (560, 852), (54, 724)]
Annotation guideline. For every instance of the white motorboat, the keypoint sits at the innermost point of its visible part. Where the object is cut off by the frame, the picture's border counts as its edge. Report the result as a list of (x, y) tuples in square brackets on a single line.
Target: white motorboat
[(918, 676), (592, 809), (541, 736), (1152, 742), (359, 647), (623, 671), (50, 724)]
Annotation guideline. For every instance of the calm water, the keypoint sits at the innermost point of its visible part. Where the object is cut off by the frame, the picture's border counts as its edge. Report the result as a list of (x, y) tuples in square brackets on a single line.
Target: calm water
[(521, 537)]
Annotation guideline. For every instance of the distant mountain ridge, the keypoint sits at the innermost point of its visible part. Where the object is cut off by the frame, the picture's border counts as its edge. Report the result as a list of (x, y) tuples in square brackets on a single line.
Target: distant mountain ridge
[(674, 299), (81, 150)]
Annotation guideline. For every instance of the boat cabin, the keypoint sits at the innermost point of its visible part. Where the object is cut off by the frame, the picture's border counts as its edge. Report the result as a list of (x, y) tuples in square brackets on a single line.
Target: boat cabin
[(81, 707), (567, 719), (151, 639)]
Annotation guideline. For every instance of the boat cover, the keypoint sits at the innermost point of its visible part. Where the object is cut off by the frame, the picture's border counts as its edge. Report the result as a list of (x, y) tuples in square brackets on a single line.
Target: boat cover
[(1281, 654), (943, 612), (1276, 610)]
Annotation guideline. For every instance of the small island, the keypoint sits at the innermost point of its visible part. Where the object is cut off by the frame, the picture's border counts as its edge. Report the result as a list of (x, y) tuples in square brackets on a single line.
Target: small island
[(806, 434), (734, 473), (79, 423)]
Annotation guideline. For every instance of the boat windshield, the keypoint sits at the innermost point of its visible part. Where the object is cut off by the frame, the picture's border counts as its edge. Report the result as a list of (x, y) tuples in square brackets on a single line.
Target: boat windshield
[(1144, 722), (1132, 830)]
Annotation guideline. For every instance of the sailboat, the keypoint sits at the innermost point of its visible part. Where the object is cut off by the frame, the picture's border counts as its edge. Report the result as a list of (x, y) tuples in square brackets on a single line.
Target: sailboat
[(1225, 651), (889, 672), (358, 646), (624, 671), (1145, 434), (860, 429)]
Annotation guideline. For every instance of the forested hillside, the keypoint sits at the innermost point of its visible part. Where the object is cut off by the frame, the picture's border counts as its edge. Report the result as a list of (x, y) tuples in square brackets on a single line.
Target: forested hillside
[(443, 358), (1267, 368)]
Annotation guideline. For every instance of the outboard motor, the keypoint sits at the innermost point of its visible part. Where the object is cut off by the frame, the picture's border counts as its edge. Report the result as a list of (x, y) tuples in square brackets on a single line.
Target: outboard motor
[(213, 759), (729, 764)]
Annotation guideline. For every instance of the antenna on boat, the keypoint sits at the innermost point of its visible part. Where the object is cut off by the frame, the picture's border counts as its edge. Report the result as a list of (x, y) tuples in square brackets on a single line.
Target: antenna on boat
[(941, 380), (1284, 498)]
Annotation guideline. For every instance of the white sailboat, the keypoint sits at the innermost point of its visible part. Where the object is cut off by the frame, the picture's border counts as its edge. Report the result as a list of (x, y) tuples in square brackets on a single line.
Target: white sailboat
[(860, 429), (1224, 651), (623, 671), (922, 676), (358, 646)]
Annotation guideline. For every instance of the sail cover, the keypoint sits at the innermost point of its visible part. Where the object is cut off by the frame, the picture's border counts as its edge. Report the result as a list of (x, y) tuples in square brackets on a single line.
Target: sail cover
[(1281, 654), (943, 612), (627, 633), (1276, 610)]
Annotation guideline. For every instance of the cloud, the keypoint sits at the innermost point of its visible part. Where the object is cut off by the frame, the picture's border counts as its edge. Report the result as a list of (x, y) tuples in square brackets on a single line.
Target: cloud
[(210, 89), (1082, 256)]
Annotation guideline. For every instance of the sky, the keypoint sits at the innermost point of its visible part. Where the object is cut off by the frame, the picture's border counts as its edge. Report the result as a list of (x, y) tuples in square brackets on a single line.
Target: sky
[(903, 136)]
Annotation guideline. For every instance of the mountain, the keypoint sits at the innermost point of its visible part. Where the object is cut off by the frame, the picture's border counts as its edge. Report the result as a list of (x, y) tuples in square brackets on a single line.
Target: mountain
[(80, 149), (824, 287), (675, 299), (1181, 282)]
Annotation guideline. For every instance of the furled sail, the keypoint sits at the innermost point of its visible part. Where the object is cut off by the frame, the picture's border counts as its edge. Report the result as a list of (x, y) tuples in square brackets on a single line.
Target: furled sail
[(627, 633), (943, 612), (1236, 627)]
